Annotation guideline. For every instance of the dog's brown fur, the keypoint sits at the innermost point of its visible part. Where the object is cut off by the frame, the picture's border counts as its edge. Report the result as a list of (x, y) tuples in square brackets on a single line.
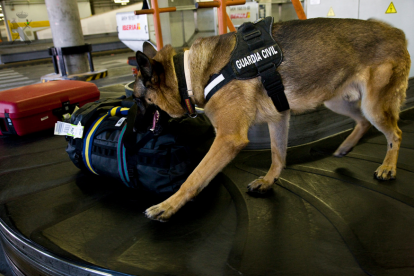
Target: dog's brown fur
[(356, 68)]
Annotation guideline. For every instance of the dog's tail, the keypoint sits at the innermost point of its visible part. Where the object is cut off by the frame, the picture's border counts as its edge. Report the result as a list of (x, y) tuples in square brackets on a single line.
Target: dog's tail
[(401, 68)]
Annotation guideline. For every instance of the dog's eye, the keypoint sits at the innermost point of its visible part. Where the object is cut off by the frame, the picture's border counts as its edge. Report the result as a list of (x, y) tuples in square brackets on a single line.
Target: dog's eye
[(148, 84)]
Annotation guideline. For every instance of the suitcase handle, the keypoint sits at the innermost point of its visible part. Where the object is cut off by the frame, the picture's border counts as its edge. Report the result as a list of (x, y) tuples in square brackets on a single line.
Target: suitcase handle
[(6, 125), (66, 108)]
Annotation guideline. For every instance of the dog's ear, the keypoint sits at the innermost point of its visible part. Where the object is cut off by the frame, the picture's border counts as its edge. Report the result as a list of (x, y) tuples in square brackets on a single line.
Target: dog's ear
[(144, 65), (149, 68), (149, 50)]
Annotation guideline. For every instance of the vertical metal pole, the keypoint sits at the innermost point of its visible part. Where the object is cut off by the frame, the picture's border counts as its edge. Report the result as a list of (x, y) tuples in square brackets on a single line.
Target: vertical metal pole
[(61, 62), (92, 4), (90, 62), (195, 21), (91, 67), (6, 22), (53, 53), (280, 12), (66, 32), (55, 65), (215, 21), (157, 24), (183, 29)]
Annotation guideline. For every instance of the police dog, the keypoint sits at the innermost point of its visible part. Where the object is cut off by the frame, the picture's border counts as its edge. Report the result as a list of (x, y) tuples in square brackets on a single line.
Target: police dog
[(356, 68)]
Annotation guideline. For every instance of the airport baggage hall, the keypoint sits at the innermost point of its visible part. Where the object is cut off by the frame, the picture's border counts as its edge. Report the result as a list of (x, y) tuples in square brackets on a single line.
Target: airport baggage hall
[(206, 137)]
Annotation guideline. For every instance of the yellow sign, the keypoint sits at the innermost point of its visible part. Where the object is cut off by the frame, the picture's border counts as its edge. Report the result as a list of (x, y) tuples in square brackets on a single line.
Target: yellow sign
[(391, 9), (331, 12), (33, 24), (15, 36)]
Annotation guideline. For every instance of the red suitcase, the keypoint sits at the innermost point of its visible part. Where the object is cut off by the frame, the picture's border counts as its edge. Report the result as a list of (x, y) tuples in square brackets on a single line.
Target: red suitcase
[(37, 107)]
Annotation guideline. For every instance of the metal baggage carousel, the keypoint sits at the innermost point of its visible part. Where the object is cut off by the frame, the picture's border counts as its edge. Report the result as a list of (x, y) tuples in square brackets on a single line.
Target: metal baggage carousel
[(325, 215)]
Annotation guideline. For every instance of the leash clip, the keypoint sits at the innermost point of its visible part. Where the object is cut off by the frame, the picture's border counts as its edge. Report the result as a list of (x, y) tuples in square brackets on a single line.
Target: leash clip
[(193, 115)]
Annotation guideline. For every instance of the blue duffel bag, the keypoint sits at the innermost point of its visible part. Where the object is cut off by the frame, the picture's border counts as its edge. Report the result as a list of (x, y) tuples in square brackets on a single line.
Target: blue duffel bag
[(143, 148)]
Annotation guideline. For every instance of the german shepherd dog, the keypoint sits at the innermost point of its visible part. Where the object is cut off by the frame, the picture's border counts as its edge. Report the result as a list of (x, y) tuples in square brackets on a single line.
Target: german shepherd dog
[(356, 68)]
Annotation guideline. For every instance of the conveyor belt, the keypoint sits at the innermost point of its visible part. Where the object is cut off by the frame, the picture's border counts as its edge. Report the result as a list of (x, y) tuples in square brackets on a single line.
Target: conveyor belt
[(325, 216)]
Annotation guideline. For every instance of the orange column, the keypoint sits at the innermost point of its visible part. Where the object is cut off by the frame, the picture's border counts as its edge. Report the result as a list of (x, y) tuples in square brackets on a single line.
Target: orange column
[(230, 24), (299, 9), (222, 17), (157, 24), (156, 16)]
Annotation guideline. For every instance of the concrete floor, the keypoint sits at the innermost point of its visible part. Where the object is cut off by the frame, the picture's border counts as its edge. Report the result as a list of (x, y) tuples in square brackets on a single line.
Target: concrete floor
[(118, 72)]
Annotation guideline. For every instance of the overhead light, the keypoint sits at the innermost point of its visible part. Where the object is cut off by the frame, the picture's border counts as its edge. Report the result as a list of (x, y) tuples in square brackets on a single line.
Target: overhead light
[(1, 15), (121, 1)]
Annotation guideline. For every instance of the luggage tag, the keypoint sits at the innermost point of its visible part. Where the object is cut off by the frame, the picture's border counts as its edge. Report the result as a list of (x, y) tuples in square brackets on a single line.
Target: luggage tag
[(119, 123), (66, 129)]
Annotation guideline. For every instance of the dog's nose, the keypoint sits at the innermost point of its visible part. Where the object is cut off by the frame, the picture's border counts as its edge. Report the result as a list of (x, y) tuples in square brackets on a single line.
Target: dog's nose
[(139, 99), (139, 89)]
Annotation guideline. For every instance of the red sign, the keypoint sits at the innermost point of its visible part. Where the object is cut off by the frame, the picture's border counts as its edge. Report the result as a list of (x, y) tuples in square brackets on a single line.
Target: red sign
[(131, 27), (240, 15)]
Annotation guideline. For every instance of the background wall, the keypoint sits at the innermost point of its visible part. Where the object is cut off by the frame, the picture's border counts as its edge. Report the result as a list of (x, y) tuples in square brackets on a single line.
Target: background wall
[(36, 13), (401, 17), (97, 24)]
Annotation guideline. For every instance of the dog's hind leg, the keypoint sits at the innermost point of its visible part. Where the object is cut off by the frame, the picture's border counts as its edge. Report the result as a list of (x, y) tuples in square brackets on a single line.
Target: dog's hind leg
[(381, 106), (279, 138), (352, 109)]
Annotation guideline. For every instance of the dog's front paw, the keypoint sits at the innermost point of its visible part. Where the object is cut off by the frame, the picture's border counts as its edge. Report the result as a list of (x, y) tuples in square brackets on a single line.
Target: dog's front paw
[(161, 212), (385, 172), (259, 186), (341, 152)]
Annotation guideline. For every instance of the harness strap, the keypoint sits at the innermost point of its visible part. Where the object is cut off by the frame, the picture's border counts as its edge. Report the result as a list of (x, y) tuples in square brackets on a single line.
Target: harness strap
[(272, 82), (182, 85)]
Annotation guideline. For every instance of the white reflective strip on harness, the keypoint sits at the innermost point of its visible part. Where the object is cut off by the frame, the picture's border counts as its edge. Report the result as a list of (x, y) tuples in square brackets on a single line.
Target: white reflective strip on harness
[(187, 74), (213, 84)]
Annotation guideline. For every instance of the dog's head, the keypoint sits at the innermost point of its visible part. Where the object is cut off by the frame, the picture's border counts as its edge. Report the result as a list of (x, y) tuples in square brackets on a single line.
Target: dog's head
[(156, 81)]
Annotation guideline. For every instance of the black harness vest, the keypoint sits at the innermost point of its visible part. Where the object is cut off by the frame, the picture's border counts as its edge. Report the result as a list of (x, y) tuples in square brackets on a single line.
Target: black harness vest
[(256, 54)]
